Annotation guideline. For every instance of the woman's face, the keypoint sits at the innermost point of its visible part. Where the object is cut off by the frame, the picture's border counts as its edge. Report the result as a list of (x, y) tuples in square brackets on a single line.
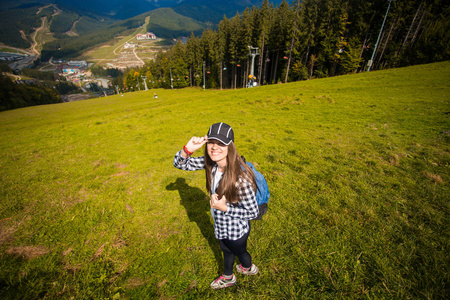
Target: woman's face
[(217, 152)]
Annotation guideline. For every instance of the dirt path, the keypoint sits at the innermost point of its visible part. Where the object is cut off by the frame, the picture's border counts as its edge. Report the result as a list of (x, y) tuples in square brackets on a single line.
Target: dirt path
[(55, 9), (137, 57), (72, 31), (34, 34), (44, 25), (143, 28), (34, 50), (18, 49), (127, 57)]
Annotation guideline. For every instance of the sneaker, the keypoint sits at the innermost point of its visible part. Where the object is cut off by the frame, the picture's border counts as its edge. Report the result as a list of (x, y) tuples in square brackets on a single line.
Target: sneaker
[(222, 282), (253, 270)]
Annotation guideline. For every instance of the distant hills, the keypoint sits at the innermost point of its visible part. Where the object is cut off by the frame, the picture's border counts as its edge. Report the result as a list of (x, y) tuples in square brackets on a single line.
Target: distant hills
[(77, 25), (20, 22), (200, 10)]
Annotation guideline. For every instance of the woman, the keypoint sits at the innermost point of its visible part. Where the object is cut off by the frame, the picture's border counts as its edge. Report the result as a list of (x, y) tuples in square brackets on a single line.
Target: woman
[(233, 201)]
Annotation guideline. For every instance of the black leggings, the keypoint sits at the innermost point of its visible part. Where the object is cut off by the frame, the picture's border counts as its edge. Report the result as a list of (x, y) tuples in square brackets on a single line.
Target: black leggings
[(237, 248)]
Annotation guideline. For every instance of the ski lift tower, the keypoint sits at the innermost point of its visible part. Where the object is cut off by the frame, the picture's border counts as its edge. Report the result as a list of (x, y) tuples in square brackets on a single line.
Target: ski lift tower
[(370, 62), (253, 53), (145, 82)]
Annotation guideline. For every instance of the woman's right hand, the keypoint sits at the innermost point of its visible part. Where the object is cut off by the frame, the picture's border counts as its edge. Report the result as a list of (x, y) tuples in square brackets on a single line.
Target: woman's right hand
[(196, 143)]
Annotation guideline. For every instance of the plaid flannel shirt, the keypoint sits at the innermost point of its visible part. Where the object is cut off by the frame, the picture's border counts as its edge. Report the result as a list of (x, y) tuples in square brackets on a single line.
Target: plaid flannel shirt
[(233, 223)]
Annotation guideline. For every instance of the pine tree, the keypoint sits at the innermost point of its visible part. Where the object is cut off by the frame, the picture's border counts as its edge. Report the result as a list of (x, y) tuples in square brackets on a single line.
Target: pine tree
[(224, 53), (280, 36), (295, 35), (194, 60), (262, 20), (309, 18)]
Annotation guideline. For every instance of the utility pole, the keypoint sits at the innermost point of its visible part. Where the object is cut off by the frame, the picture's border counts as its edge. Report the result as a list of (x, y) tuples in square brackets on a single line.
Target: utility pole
[(369, 64), (204, 77), (253, 53), (145, 82)]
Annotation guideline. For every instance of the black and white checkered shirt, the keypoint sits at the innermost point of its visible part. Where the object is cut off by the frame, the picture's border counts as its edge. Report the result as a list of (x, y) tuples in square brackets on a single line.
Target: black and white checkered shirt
[(233, 223)]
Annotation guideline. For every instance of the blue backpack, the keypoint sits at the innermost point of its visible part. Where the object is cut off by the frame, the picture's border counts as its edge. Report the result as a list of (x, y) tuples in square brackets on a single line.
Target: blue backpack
[(262, 194)]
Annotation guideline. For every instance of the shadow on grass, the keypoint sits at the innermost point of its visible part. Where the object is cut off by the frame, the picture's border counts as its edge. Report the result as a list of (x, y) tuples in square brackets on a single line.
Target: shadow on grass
[(196, 203)]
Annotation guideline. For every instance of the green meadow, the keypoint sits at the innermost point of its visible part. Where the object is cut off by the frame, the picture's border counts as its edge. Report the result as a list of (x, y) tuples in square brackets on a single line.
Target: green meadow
[(91, 206)]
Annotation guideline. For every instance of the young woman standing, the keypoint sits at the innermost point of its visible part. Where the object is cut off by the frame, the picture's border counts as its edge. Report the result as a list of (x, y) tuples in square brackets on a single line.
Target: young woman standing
[(233, 200)]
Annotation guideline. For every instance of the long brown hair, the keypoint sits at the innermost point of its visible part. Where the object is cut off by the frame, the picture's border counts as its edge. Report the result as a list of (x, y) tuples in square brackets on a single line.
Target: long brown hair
[(236, 168)]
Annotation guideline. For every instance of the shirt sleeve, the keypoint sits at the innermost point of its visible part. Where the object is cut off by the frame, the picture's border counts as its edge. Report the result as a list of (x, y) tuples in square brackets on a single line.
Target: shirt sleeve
[(247, 208), (189, 163)]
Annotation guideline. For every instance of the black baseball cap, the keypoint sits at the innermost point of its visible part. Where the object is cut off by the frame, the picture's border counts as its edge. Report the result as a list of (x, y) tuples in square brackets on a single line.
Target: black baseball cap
[(221, 132)]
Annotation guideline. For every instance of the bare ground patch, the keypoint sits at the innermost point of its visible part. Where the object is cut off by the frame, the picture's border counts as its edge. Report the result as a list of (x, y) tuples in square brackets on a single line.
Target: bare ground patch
[(7, 231), (6, 234), (28, 252), (135, 282), (75, 97)]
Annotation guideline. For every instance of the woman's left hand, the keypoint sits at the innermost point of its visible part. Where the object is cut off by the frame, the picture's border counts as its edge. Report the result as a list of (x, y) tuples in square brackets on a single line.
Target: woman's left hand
[(217, 203)]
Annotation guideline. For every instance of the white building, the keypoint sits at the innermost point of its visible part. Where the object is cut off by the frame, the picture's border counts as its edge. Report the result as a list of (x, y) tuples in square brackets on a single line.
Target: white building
[(146, 36), (130, 45), (78, 63)]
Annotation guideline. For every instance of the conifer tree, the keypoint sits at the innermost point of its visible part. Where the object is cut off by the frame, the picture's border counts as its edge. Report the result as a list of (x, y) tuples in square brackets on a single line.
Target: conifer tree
[(309, 15), (280, 37), (194, 60), (224, 53), (262, 21)]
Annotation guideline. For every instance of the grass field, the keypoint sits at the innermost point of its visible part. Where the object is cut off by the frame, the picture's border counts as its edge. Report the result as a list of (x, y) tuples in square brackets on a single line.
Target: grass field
[(358, 168), (109, 53)]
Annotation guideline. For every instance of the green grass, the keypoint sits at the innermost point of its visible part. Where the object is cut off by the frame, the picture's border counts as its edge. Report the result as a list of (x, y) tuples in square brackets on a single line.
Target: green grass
[(11, 50), (112, 49), (358, 167)]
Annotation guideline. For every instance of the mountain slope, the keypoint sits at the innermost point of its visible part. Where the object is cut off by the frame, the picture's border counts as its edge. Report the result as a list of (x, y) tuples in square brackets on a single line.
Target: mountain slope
[(17, 26), (120, 9), (74, 26), (200, 10), (165, 22), (20, 23), (214, 10)]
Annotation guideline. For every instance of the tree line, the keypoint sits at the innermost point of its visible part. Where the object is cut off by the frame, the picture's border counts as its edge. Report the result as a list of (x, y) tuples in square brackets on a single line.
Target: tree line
[(38, 88), (13, 95), (303, 40)]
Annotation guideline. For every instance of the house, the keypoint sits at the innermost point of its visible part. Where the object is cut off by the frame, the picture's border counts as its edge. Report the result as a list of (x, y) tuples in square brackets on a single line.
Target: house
[(183, 40), (147, 36), (130, 45), (11, 56), (78, 63), (66, 69)]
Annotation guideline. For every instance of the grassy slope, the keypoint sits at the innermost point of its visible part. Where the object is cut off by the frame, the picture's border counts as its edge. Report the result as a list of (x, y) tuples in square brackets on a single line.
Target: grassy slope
[(165, 22), (111, 50), (358, 167)]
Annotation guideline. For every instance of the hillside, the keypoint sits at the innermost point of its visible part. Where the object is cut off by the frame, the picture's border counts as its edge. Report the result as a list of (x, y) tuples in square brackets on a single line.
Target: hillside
[(165, 22), (20, 24), (204, 11), (19, 19), (357, 165), (68, 33)]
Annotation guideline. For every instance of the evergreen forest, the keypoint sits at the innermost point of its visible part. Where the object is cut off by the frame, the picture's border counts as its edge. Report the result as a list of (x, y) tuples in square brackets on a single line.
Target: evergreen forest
[(303, 40), (16, 95)]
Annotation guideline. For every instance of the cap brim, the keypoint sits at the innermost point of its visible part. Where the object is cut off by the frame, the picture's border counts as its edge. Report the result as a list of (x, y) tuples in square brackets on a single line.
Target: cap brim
[(223, 140)]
